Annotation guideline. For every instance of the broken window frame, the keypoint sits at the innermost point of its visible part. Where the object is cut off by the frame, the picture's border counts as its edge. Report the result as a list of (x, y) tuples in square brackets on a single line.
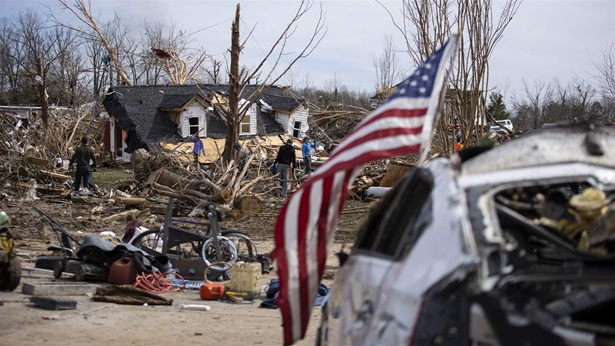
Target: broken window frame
[(194, 128), (391, 229), (482, 189)]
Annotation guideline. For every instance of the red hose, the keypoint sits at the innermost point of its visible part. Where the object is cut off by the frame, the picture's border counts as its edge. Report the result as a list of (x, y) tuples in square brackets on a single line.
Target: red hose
[(156, 282)]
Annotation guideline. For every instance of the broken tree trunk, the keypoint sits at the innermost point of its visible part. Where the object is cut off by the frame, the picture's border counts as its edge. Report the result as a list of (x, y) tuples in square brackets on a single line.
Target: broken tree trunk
[(221, 197)]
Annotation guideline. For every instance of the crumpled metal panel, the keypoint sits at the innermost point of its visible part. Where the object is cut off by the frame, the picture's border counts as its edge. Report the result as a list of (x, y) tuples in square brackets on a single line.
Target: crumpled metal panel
[(545, 147)]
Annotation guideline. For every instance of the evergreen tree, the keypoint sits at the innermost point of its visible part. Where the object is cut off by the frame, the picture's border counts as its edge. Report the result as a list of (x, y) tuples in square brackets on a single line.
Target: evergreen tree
[(496, 107)]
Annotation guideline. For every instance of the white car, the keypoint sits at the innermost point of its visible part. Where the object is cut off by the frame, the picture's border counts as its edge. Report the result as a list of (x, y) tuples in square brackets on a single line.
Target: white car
[(506, 123), (510, 246)]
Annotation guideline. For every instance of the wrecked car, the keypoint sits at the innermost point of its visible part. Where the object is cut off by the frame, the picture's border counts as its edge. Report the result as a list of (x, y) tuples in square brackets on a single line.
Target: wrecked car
[(512, 246)]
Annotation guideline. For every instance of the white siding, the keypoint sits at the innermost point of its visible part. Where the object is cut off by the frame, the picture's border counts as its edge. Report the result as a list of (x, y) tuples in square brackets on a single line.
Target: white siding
[(194, 110), (284, 120), (288, 121), (301, 114)]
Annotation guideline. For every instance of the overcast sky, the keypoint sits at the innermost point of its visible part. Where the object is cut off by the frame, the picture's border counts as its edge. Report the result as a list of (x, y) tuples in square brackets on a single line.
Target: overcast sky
[(547, 39)]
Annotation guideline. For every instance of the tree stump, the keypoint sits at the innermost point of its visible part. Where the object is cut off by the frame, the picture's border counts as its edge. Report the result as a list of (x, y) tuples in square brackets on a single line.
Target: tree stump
[(394, 173), (250, 204)]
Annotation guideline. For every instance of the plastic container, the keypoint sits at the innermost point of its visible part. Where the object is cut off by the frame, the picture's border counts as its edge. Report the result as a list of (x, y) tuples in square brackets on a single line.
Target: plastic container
[(122, 272), (245, 277), (212, 291)]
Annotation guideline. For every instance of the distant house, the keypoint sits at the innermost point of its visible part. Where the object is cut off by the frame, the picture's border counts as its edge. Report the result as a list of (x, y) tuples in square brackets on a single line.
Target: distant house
[(168, 114)]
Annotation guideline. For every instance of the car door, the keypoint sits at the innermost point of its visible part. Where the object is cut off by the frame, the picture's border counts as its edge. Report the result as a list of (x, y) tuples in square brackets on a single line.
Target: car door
[(388, 233)]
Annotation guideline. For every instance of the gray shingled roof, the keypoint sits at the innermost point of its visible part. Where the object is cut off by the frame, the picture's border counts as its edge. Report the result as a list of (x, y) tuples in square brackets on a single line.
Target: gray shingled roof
[(281, 103), (174, 101), (142, 105)]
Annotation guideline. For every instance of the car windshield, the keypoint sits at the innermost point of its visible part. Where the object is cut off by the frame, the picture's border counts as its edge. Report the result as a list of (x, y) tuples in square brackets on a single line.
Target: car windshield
[(559, 221)]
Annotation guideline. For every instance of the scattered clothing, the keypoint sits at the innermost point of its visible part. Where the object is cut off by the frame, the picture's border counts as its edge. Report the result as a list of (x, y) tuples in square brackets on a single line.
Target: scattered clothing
[(274, 288)]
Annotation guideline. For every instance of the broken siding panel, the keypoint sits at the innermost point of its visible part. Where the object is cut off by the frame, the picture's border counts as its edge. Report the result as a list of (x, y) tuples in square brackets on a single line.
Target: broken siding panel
[(300, 115), (194, 110), (284, 120)]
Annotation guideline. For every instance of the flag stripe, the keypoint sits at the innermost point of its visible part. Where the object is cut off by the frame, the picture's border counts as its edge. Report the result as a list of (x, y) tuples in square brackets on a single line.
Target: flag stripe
[(306, 226), (386, 119)]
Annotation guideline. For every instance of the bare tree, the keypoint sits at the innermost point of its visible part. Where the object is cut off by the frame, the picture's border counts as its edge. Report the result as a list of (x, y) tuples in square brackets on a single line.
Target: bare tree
[(605, 75), (387, 68), (239, 78), (173, 48), (427, 24), (12, 86), (531, 105), (83, 12), (42, 46)]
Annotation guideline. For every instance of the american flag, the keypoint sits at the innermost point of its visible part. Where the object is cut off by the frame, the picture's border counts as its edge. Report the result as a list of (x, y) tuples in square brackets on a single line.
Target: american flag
[(306, 225)]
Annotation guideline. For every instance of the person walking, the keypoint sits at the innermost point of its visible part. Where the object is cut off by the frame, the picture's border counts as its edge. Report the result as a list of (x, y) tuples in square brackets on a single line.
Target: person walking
[(285, 160), (82, 157), (306, 152), (198, 148)]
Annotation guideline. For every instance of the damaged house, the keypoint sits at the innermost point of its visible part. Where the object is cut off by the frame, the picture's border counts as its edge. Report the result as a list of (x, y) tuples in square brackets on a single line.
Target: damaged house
[(148, 116)]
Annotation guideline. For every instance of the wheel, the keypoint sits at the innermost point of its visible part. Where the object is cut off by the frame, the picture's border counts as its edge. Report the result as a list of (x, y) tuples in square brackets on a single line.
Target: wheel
[(80, 273), (149, 241), (10, 275), (58, 269), (229, 253), (244, 245)]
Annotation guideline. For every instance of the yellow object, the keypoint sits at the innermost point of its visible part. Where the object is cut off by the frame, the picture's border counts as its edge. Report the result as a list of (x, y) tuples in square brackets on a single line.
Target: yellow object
[(6, 242), (245, 278), (589, 205)]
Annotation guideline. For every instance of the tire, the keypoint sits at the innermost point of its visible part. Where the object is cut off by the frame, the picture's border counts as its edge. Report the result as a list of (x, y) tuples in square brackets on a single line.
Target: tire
[(149, 241), (229, 253), (243, 244), (11, 273)]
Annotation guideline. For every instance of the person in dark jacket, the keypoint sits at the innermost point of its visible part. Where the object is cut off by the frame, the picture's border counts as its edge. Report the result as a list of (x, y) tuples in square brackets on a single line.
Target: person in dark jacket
[(286, 161), (82, 157)]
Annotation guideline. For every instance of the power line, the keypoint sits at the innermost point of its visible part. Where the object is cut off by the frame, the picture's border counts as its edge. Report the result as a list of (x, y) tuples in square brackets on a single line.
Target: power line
[(211, 26)]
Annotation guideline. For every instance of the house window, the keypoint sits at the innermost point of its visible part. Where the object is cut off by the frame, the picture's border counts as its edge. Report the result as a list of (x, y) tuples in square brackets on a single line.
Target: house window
[(194, 125), (297, 129), (245, 124)]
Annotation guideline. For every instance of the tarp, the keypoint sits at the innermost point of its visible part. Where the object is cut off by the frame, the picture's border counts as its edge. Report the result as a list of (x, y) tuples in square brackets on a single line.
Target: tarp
[(215, 147)]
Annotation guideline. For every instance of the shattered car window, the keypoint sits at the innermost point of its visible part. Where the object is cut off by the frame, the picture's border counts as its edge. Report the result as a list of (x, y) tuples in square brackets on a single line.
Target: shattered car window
[(389, 230)]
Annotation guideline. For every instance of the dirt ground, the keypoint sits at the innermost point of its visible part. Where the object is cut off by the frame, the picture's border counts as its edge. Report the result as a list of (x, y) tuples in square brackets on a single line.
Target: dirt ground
[(99, 323)]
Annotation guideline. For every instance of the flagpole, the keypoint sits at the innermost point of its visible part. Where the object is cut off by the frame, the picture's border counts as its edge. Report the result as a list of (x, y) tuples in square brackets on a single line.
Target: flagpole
[(426, 145)]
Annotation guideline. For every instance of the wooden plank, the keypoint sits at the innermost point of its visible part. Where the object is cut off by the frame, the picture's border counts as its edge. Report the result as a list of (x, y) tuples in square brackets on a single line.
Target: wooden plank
[(130, 200), (38, 161), (55, 175)]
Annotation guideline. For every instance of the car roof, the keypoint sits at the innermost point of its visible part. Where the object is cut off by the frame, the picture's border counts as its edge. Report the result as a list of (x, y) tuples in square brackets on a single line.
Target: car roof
[(580, 143)]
